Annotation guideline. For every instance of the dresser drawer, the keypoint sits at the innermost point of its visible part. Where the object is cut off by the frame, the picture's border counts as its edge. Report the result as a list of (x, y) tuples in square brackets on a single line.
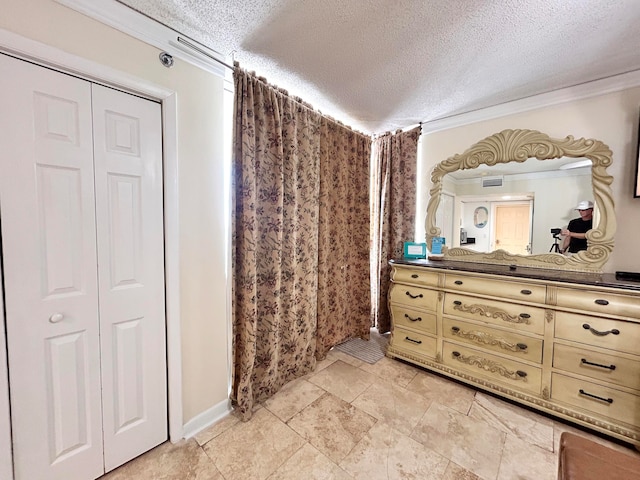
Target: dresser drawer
[(496, 288), (510, 343), (599, 303), (599, 399), (412, 342), (418, 319), (600, 366), (414, 275), (497, 369), (415, 297), (519, 317), (600, 332)]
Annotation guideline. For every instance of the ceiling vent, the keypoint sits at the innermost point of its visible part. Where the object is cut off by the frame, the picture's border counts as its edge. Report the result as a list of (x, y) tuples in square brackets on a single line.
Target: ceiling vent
[(492, 181)]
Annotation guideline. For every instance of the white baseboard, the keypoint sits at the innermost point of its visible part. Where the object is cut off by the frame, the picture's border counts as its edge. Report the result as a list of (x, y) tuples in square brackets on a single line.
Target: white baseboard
[(206, 418)]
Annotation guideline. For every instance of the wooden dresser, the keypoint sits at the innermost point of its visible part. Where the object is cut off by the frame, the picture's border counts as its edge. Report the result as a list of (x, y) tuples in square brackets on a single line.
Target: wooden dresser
[(565, 343)]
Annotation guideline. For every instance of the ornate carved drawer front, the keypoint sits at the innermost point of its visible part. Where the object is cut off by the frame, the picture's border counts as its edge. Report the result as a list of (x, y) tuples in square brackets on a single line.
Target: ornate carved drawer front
[(414, 296), (418, 319), (599, 303), (599, 332), (520, 317), (523, 292), (599, 399), (417, 276), (509, 343), (413, 342), (518, 376), (600, 366)]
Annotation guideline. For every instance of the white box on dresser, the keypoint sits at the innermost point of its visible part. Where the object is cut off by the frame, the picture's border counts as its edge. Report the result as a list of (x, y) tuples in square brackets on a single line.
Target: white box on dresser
[(566, 343)]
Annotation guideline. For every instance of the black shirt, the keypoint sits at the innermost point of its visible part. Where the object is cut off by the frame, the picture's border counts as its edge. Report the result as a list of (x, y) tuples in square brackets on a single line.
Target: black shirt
[(577, 225)]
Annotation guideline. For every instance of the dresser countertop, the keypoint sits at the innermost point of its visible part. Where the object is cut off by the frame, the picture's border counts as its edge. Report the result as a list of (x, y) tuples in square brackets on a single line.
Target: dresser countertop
[(584, 278)]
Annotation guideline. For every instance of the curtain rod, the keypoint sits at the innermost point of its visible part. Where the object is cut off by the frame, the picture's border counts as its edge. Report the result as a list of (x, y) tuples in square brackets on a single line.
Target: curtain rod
[(202, 52)]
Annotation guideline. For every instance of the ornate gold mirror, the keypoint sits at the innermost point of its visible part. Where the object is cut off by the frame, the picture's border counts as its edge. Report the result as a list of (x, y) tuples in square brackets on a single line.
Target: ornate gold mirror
[(519, 146)]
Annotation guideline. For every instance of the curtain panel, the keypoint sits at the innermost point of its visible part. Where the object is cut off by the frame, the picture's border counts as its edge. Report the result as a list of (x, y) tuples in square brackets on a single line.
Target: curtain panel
[(393, 210), (344, 301), (300, 218)]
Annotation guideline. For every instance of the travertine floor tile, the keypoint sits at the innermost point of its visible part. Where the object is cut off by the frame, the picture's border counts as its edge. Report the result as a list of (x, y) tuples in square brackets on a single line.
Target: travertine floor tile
[(343, 380), (309, 464), (292, 398), (338, 355), (253, 450), (470, 443), (456, 472), (181, 461), (444, 391), (386, 454), (332, 425), (216, 429), (393, 370), (524, 461), (532, 427), (396, 406)]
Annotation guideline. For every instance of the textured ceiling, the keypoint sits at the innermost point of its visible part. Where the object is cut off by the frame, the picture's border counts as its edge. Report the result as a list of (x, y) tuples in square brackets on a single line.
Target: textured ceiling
[(381, 65)]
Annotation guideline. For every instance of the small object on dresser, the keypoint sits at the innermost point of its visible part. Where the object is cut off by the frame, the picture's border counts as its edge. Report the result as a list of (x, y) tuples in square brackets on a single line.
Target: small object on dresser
[(436, 245), (415, 250), (630, 276)]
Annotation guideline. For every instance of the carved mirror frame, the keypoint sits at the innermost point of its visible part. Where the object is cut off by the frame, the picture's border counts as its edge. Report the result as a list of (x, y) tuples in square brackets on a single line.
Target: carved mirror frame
[(518, 146)]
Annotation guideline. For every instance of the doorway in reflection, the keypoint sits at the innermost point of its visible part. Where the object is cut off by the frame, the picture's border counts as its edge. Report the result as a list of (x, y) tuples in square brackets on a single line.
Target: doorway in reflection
[(492, 222)]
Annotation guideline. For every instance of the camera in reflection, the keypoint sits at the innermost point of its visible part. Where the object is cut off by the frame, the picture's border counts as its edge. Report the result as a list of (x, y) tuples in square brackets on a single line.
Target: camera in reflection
[(555, 231)]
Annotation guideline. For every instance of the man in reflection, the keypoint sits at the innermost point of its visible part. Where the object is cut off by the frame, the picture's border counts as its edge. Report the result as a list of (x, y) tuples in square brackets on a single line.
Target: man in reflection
[(574, 235)]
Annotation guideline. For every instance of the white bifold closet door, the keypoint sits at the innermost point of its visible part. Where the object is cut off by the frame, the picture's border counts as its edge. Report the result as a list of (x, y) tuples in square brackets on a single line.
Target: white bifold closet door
[(82, 246)]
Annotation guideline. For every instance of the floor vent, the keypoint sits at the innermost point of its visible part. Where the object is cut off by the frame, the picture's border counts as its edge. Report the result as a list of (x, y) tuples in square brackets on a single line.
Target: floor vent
[(491, 182)]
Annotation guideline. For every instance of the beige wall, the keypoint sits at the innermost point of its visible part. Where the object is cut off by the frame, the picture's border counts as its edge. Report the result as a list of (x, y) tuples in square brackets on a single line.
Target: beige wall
[(200, 159), (612, 118)]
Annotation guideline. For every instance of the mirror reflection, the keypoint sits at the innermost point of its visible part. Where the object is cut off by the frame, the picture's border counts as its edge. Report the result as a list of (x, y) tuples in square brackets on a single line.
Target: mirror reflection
[(550, 200), (522, 208)]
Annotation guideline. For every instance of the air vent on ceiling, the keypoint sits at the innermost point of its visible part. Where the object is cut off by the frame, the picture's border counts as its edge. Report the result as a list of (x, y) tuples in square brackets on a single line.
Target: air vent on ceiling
[(491, 181)]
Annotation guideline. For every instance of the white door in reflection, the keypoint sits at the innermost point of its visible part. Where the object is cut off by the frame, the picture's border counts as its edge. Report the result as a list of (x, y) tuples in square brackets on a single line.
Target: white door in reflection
[(513, 228)]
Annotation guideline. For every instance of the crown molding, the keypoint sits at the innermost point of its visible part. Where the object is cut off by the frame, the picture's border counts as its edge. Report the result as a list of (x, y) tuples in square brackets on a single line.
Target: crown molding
[(596, 88), (127, 20)]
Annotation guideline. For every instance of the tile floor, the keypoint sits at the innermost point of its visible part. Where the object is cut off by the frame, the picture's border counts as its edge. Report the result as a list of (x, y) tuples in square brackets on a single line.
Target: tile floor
[(352, 420)]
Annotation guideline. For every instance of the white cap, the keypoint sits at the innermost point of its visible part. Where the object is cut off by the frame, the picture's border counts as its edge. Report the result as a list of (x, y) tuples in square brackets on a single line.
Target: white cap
[(584, 205)]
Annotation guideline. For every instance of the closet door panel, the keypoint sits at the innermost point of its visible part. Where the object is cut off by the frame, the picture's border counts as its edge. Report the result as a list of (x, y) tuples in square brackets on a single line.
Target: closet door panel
[(128, 159), (49, 254)]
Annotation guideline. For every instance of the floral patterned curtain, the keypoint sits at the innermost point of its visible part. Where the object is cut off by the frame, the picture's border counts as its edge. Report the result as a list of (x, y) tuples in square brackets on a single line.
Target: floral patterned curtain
[(393, 212), (344, 301), (289, 244)]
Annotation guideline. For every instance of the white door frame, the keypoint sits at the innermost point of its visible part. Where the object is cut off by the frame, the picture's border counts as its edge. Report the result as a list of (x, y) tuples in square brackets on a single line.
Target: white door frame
[(43, 54), (6, 453)]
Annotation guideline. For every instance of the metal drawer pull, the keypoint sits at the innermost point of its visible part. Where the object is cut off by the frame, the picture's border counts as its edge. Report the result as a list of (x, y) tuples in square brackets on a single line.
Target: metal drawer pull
[(522, 346), (417, 319), (415, 296), (602, 302), (458, 282), (586, 326), (415, 275), (521, 374), (525, 292), (455, 329), (608, 367), (457, 302), (608, 400), (525, 315), (412, 340)]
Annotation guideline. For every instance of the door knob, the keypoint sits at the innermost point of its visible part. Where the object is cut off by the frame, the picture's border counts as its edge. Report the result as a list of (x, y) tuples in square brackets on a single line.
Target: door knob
[(56, 317)]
